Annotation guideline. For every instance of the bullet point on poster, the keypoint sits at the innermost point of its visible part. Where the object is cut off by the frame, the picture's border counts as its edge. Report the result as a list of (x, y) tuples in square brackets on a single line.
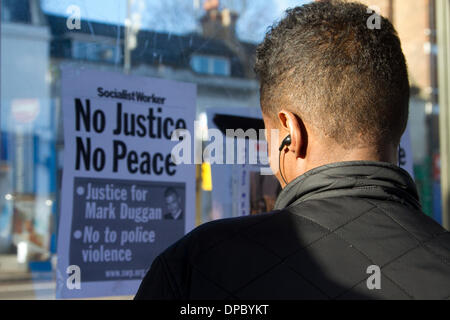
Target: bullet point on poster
[(80, 191), (77, 234)]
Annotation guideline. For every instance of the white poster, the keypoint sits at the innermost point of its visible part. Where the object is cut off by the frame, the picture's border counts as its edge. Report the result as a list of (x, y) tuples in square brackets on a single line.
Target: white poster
[(123, 199)]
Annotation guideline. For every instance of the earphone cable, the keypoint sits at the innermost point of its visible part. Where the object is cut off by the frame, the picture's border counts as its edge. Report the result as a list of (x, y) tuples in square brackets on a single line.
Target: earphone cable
[(279, 167)]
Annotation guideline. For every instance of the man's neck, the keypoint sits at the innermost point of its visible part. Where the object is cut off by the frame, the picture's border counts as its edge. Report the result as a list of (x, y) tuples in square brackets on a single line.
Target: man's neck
[(339, 154)]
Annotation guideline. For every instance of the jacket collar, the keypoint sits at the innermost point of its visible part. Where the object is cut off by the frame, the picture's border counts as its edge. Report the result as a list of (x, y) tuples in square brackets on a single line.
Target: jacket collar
[(364, 179)]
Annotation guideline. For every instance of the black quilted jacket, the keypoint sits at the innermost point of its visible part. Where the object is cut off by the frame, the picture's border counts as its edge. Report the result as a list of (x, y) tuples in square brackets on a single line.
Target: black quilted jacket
[(331, 224)]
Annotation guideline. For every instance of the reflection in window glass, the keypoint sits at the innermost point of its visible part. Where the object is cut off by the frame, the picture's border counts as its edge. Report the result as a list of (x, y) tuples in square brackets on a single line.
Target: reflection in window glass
[(171, 39), (16, 11), (200, 64), (221, 67), (94, 52), (210, 65)]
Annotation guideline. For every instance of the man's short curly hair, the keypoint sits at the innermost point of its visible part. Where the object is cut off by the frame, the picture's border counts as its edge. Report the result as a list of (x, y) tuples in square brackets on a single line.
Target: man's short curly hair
[(348, 81)]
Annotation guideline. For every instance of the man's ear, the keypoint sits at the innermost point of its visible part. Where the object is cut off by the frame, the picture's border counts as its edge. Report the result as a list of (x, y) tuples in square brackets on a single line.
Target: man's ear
[(293, 125)]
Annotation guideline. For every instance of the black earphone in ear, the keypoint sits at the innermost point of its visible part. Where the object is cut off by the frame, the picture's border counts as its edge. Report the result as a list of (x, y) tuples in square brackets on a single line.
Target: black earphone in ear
[(286, 143)]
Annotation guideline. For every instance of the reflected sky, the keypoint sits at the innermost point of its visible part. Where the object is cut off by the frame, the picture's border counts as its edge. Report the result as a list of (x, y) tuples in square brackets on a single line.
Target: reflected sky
[(179, 16)]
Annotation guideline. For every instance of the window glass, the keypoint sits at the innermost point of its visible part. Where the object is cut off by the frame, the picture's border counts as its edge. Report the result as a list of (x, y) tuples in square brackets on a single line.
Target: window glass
[(209, 43), (200, 64), (211, 65), (16, 11), (221, 67)]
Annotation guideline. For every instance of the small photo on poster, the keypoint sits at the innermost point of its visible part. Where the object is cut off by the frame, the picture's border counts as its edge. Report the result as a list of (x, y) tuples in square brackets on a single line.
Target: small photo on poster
[(174, 204)]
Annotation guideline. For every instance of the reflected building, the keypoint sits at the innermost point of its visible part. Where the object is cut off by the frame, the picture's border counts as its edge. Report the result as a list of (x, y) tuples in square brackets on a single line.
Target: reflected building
[(34, 47), (415, 22), (28, 156)]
